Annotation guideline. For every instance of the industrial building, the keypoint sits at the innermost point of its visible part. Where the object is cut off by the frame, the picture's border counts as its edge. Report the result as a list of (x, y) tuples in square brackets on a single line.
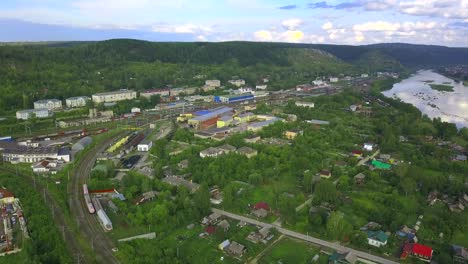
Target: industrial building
[(77, 101), (256, 126), (39, 113), (23, 154), (114, 96), (145, 145), (49, 104), (208, 118), (233, 98), (152, 92)]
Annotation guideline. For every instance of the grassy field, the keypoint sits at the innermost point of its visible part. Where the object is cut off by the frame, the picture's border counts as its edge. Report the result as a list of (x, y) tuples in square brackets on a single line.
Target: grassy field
[(442, 87), (292, 251)]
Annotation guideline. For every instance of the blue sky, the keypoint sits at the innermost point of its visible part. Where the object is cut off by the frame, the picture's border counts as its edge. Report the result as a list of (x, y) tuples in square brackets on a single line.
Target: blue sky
[(354, 22)]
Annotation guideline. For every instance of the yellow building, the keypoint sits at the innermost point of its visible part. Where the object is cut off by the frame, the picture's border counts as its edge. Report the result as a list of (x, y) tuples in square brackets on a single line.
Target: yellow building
[(292, 134), (184, 118), (245, 117), (224, 121)]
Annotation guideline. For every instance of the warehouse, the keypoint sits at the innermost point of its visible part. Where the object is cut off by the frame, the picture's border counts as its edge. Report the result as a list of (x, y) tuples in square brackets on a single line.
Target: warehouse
[(208, 118), (233, 98), (22, 154)]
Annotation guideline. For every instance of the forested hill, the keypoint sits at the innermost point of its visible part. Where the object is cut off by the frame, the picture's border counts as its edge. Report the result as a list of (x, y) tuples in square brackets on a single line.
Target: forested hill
[(30, 72)]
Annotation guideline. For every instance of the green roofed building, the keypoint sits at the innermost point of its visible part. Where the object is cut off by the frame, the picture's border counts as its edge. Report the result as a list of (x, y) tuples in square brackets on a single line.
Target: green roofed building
[(377, 238), (381, 165)]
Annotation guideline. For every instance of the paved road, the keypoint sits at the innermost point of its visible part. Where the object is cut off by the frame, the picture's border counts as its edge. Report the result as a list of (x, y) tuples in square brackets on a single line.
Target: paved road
[(363, 161), (88, 224), (337, 247)]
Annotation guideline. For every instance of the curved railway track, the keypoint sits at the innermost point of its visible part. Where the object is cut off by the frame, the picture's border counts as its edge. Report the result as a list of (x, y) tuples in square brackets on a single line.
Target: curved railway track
[(88, 224)]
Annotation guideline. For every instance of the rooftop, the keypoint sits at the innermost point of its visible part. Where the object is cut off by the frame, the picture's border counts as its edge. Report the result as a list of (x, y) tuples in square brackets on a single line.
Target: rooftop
[(44, 101), (115, 92)]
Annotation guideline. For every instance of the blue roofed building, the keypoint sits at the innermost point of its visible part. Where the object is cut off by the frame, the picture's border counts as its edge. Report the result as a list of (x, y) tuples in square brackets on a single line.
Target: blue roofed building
[(233, 98)]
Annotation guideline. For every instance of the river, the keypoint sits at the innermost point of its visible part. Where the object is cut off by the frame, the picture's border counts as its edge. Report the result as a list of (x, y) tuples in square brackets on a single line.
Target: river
[(451, 107)]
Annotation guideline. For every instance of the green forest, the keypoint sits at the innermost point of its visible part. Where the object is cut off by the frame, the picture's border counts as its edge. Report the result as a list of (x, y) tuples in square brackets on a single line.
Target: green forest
[(61, 70)]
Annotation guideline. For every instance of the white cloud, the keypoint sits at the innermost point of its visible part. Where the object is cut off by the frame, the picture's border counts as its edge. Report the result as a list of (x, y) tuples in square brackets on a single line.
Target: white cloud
[(185, 28), (440, 8), (292, 36), (201, 38), (327, 26), (263, 35), (377, 26), (358, 36), (292, 24), (379, 5)]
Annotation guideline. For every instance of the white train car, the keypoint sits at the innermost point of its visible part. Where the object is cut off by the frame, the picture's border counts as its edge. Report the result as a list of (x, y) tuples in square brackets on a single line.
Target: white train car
[(88, 202), (104, 219)]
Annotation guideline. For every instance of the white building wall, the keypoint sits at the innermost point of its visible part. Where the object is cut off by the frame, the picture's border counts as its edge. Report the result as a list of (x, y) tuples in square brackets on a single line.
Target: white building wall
[(114, 96)]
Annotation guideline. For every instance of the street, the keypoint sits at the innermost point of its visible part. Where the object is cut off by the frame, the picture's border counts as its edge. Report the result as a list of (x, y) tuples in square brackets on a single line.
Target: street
[(337, 247)]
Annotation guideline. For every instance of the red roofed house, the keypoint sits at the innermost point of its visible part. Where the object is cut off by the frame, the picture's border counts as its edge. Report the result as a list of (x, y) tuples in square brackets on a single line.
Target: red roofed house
[(420, 251), (262, 205), (357, 153), (210, 230), (6, 196)]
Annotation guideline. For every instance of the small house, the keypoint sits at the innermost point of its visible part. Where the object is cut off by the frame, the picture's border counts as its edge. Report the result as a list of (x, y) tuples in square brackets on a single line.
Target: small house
[(417, 250), (252, 139), (460, 254), (432, 197), (377, 238), (325, 174), (356, 153), (235, 249), (259, 213), (224, 244), (368, 146), (226, 148), (359, 178), (224, 225), (258, 236), (248, 152), (211, 152)]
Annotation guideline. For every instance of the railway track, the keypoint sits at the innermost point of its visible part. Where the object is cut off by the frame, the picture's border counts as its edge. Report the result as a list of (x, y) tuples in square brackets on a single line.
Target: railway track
[(88, 224), (69, 237)]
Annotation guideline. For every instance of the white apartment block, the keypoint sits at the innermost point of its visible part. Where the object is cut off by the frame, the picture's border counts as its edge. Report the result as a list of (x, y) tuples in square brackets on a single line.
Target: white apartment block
[(114, 96), (50, 104), (333, 79), (26, 114), (160, 92), (78, 101), (213, 83)]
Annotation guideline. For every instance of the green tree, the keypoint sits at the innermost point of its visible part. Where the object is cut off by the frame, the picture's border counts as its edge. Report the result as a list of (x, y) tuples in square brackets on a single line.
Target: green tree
[(337, 227), (325, 191)]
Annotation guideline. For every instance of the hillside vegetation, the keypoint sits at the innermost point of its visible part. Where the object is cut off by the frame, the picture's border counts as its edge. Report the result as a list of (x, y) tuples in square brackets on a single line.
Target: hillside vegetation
[(60, 70)]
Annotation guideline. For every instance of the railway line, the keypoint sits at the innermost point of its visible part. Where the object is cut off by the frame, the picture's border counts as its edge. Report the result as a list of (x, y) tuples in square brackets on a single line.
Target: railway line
[(69, 237), (88, 225)]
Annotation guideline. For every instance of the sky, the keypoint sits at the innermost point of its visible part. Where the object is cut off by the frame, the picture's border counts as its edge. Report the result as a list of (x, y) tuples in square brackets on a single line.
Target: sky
[(352, 22)]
